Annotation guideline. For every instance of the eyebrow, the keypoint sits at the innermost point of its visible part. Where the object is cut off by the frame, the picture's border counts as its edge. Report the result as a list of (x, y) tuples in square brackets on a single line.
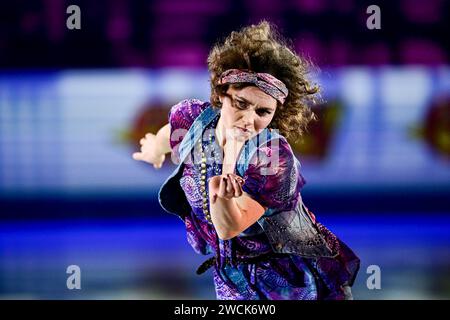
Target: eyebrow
[(246, 101)]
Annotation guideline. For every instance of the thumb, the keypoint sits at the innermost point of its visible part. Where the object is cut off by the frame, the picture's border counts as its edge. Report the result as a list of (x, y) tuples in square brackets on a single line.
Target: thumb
[(158, 165), (137, 156)]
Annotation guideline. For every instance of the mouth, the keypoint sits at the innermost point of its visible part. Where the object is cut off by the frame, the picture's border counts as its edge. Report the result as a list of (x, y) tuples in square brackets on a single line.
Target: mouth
[(243, 130)]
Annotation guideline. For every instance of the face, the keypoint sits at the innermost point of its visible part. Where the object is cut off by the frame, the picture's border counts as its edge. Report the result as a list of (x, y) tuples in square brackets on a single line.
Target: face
[(246, 112)]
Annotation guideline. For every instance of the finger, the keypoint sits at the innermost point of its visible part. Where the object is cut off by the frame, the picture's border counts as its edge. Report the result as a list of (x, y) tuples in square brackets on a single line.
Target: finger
[(233, 183), (214, 198), (240, 191), (235, 187), (222, 187), (158, 164), (137, 156), (239, 179), (142, 141), (229, 184), (148, 135)]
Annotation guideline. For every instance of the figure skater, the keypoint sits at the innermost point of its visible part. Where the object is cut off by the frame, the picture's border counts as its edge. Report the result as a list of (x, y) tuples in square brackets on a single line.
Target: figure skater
[(237, 184)]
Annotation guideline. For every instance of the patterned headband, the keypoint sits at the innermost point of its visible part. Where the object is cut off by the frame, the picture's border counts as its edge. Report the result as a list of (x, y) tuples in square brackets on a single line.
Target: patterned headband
[(264, 81)]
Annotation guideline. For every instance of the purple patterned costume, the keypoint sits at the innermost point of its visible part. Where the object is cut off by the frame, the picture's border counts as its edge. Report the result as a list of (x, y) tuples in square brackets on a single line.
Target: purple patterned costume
[(246, 266)]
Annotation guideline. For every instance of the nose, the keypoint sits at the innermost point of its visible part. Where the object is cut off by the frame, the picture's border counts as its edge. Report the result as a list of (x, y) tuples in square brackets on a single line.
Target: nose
[(248, 119)]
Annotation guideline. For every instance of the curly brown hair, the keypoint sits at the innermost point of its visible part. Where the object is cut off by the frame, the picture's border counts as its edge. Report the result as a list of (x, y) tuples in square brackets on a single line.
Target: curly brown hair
[(261, 48)]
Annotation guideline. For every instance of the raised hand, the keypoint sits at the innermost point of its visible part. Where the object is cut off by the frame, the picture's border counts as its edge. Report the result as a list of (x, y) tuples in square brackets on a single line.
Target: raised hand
[(150, 151)]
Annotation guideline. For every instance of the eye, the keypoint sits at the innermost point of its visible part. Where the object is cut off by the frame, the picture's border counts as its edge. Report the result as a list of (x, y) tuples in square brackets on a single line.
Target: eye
[(241, 104), (263, 112)]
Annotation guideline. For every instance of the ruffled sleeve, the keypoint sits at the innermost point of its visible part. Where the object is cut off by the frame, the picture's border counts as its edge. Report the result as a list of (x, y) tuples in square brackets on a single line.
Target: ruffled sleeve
[(274, 183), (181, 117)]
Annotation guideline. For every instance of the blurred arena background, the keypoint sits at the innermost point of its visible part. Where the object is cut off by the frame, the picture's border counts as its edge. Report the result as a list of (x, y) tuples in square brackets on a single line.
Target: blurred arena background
[(74, 104)]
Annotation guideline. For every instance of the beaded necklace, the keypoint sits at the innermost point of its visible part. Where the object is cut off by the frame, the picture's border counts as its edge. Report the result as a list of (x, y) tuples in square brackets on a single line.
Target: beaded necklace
[(203, 170)]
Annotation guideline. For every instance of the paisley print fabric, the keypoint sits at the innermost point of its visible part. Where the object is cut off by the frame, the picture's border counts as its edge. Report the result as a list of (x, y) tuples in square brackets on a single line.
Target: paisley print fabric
[(246, 267)]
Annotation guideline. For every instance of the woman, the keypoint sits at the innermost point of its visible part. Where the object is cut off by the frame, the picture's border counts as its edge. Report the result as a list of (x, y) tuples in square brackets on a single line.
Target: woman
[(237, 186)]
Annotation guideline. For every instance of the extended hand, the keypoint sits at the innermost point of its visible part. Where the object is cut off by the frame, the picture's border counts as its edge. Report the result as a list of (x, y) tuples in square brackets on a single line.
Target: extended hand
[(149, 151)]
